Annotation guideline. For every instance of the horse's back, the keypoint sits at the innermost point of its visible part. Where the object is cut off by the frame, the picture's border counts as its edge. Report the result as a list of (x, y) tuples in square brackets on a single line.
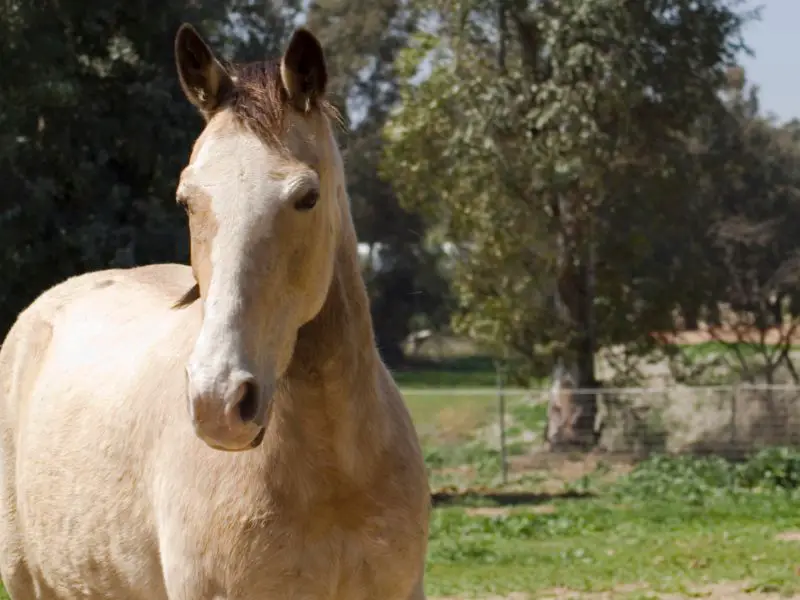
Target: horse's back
[(85, 373)]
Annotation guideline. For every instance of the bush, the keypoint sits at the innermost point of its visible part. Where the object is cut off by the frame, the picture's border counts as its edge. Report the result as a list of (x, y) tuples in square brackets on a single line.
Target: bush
[(695, 480), (772, 468)]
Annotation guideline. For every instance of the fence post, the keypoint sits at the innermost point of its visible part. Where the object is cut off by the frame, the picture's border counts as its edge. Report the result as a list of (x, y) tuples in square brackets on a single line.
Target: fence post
[(734, 408), (501, 405)]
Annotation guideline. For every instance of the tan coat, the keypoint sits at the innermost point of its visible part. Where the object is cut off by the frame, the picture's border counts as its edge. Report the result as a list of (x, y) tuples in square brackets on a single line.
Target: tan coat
[(112, 486)]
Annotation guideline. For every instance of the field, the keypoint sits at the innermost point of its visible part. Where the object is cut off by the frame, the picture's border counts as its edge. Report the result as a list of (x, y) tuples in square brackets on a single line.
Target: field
[(667, 527), (595, 527)]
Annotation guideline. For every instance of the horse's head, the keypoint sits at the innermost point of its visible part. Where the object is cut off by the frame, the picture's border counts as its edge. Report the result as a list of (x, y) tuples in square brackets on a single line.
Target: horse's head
[(262, 192)]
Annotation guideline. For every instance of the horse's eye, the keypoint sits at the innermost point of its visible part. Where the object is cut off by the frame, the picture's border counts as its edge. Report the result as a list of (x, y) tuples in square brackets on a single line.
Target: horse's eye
[(307, 201)]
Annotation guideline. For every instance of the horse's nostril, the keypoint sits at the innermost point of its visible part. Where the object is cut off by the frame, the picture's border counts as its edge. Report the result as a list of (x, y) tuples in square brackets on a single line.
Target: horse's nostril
[(248, 405)]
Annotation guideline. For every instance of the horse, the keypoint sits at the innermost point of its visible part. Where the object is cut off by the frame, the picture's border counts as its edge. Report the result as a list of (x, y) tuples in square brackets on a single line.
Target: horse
[(226, 429)]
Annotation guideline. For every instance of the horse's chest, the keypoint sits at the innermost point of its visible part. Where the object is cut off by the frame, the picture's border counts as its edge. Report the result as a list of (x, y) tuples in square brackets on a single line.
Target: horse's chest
[(379, 556)]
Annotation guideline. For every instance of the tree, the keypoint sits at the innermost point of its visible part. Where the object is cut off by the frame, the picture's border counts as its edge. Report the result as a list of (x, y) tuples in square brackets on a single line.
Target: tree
[(256, 30), (403, 273), (95, 133), (529, 163), (746, 264)]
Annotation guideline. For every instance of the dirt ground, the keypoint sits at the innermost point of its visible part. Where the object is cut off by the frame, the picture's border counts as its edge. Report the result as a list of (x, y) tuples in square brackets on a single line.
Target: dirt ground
[(720, 591)]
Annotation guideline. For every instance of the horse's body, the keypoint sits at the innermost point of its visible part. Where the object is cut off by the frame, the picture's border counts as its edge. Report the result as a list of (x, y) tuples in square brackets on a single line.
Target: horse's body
[(109, 489)]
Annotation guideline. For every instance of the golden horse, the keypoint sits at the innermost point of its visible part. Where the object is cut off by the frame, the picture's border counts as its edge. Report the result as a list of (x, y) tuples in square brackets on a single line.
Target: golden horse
[(226, 431)]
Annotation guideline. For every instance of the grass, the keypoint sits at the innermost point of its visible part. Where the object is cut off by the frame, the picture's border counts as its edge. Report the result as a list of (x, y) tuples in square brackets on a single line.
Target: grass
[(625, 535), (453, 372), (670, 525), (441, 399), (707, 349), (460, 434), (595, 546), (450, 410)]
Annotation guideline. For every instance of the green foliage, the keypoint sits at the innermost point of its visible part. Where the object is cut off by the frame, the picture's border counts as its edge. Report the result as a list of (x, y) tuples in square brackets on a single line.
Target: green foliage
[(402, 273), (772, 468), (477, 455), (257, 30), (745, 255), (537, 158), (698, 481), (95, 134)]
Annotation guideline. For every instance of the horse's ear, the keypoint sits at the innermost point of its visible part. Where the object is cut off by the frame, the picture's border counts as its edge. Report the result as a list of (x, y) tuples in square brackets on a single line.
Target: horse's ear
[(204, 80), (304, 73)]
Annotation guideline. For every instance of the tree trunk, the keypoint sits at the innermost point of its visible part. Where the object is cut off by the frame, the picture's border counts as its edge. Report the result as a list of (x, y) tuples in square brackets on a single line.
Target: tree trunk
[(691, 319), (572, 409)]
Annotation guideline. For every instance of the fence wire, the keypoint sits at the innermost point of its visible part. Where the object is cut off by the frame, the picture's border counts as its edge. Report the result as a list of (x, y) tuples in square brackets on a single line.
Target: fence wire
[(484, 436)]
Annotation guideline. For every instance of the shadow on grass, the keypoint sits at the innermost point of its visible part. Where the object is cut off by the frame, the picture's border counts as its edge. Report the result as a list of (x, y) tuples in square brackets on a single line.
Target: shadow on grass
[(471, 497)]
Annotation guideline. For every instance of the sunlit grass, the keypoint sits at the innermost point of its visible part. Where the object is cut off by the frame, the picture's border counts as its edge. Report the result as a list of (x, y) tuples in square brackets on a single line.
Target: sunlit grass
[(620, 538)]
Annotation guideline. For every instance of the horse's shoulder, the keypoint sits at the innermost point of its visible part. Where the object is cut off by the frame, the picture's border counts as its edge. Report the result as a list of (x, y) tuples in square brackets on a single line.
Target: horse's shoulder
[(26, 344), (95, 294)]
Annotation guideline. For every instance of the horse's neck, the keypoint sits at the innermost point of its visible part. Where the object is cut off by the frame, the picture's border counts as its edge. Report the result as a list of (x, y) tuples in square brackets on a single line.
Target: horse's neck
[(337, 347), (330, 409), (336, 350)]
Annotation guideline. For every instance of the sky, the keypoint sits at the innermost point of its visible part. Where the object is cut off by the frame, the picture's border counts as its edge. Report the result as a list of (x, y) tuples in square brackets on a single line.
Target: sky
[(775, 66)]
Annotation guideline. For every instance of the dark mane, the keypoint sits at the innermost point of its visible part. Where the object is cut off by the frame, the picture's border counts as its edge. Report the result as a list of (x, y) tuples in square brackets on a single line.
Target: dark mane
[(188, 298), (259, 100)]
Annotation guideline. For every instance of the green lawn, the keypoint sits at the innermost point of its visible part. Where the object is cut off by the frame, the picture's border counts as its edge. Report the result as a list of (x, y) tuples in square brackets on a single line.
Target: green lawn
[(671, 525), (595, 545), (454, 397), (668, 526), (454, 372), (432, 408)]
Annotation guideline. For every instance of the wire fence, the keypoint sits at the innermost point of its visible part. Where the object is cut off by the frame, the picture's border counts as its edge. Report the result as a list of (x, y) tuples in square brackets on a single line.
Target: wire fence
[(491, 434)]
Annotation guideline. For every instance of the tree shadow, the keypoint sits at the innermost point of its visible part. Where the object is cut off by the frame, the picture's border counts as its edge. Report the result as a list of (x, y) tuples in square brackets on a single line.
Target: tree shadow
[(473, 497)]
